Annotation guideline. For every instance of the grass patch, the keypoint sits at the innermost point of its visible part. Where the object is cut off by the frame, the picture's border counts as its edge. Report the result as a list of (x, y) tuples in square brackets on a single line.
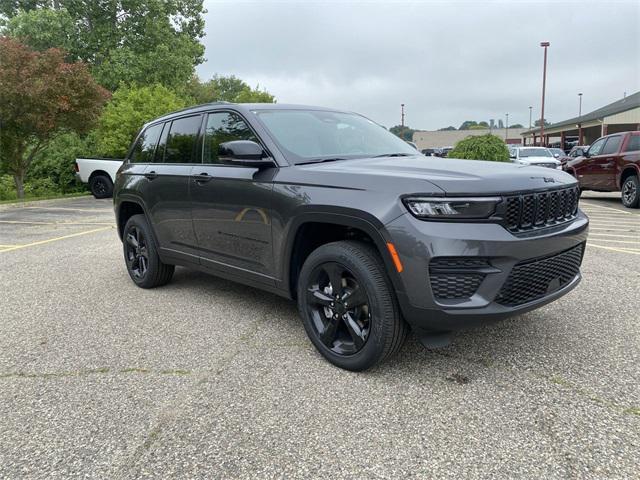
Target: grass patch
[(45, 197)]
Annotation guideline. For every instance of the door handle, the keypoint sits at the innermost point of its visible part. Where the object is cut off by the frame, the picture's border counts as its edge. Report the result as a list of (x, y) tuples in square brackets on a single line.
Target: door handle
[(204, 177), (151, 175)]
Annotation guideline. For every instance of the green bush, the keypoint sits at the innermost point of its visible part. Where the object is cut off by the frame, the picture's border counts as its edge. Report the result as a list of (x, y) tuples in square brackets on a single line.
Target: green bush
[(40, 187), (482, 147), (56, 163), (7, 188)]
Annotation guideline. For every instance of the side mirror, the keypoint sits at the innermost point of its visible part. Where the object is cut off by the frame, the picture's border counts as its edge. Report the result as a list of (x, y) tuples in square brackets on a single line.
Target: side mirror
[(244, 152), (557, 155), (512, 155), (583, 153)]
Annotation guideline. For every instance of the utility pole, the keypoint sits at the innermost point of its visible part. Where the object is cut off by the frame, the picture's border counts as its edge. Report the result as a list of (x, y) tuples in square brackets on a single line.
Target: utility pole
[(545, 45), (580, 119), (506, 132), (402, 121), (530, 112)]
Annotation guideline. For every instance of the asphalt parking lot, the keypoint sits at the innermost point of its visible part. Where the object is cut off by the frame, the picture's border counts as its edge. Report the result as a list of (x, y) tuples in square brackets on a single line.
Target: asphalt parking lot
[(207, 378)]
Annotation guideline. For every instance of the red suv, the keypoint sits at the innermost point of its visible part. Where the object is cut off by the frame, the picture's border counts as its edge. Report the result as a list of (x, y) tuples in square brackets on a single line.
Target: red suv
[(611, 164)]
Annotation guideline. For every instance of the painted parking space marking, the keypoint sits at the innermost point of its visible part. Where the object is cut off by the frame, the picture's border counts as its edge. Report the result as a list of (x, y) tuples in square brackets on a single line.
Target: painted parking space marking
[(21, 222), (622, 250), (69, 209), (593, 205), (55, 239)]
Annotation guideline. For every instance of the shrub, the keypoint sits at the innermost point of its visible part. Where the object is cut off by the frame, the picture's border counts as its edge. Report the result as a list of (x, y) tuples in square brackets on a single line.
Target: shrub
[(7, 188), (482, 147), (56, 162), (40, 187)]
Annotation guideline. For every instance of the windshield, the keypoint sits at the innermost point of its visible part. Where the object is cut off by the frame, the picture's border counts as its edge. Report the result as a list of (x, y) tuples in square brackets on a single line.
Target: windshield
[(534, 152), (313, 135)]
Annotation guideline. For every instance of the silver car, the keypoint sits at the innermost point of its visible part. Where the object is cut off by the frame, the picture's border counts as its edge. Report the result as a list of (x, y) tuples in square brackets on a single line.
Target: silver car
[(536, 156)]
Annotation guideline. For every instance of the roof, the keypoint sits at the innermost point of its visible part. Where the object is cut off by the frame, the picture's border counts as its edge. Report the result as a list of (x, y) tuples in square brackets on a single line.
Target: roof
[(627, 103)]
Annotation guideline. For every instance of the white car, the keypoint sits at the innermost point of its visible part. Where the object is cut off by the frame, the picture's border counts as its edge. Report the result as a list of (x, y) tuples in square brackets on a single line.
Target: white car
[(538, 156), (99, 173)]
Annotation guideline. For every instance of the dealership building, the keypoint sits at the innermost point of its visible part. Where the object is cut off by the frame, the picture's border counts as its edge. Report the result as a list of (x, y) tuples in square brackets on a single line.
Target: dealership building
[(448, 138), (620, 116)]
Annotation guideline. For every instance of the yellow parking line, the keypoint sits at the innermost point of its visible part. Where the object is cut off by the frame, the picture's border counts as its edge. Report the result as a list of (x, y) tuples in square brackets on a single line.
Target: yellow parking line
[(70, 209), (611, 235), (605, 208), (42, 242), (20, 222), (623, 250), (607, 229)]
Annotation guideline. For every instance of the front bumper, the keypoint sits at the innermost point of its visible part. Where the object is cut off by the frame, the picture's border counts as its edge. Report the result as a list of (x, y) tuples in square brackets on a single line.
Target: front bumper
[(418, 242)]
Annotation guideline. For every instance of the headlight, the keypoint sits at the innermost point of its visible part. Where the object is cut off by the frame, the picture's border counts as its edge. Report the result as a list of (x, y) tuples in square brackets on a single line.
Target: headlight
[(559, 167), (479, 207)]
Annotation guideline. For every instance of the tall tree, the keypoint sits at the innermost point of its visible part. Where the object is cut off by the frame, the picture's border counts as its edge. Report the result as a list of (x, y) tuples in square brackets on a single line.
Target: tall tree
[(227, 89), (546, 123), (128, 110), (140, 42), (41, 96), (404, 133)]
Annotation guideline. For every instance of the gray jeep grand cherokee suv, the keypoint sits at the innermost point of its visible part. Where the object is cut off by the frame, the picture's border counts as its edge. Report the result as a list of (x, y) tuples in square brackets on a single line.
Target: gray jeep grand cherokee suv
[(327, 207)]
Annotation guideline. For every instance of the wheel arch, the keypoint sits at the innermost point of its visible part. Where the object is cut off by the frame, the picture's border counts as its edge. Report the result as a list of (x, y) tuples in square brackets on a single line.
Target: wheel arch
[(314, 228), (628, 171), (96, 173)]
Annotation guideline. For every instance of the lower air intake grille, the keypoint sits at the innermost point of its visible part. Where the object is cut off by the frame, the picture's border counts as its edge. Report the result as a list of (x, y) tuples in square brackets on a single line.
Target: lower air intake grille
[(534, 279), (456, 277)]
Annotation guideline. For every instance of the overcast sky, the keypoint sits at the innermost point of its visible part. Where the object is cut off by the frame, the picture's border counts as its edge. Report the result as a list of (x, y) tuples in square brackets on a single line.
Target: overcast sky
[(446, 61)]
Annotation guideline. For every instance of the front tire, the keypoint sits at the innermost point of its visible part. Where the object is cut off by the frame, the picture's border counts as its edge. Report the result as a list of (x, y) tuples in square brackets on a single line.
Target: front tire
[(631, 192), (101, 186), (348, 307), (141, 255)]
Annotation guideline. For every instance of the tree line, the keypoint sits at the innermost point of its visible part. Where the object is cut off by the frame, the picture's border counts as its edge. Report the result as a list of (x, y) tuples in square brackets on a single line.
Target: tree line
[(80, 77)]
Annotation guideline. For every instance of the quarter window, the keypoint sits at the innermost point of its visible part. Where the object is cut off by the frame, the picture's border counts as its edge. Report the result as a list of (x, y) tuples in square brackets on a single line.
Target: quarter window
[(181, 141), (612, 146), (633, 144), (145, 145), (223, 127)]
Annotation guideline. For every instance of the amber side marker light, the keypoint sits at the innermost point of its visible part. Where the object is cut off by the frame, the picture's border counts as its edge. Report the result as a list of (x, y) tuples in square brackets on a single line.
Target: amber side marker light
[(395, 257)]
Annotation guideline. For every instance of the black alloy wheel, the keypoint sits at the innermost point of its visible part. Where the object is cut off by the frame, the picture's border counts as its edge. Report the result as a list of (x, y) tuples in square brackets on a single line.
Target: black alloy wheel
[(630, 192), (339, 308), (136, 251), (101, 186)]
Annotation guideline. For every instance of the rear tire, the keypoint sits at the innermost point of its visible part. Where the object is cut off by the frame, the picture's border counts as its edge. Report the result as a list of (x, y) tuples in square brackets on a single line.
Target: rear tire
[(631, 192), (101, 186), (348, 306), (141, 255)]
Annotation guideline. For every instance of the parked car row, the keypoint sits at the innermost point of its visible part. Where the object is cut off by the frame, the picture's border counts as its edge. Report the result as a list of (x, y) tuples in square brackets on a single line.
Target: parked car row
[(534, 156), (610, 164), (436, 152)]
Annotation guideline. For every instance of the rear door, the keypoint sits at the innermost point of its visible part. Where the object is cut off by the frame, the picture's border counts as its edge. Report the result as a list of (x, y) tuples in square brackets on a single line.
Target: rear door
[(167, 193), (232, 204)]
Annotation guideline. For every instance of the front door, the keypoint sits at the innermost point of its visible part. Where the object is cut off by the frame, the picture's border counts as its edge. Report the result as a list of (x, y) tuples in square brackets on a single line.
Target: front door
[(605, 167), (167, 193), (231, 204), (588, 169)]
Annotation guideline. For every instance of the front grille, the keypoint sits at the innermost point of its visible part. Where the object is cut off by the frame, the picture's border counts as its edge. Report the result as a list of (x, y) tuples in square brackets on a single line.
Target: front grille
[(456, 277), (538, 210), (547, 165), (534, 279)]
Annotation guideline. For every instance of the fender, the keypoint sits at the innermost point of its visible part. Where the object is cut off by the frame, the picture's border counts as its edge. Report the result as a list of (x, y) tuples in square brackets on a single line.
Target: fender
[(348, 217), (620, 175), (130, 198)]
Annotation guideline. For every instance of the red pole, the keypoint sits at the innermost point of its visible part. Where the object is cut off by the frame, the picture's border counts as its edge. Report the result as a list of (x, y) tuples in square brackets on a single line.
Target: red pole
[(544, 84)]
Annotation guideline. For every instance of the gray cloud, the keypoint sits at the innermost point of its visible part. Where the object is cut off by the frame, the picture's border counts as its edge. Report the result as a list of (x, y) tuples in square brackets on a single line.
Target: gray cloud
[(447, 61)]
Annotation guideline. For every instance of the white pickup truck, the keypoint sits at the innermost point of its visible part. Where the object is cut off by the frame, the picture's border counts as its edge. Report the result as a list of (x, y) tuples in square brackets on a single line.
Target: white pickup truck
[(99, 173)]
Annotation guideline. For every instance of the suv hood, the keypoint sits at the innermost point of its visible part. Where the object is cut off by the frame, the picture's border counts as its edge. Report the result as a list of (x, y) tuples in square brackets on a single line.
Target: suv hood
[(419, 174)]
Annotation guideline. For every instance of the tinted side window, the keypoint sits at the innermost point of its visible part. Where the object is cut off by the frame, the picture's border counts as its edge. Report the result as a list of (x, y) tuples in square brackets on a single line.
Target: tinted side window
[(223, 127), (181, 141), (162, 143), (596, 147), (612, 145), (633, 144), (145, 145)]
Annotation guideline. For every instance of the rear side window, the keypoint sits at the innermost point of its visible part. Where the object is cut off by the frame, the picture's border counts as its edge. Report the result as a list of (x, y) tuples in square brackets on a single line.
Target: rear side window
[(633, 144), (145, 145), (181, 140), (612, 145), (596, 147)]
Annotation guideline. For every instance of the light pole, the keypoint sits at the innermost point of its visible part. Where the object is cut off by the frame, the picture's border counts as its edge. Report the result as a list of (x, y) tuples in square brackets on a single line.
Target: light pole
[(506, 132), (580, 119), (545, 45), (530, 111), (402, 121)]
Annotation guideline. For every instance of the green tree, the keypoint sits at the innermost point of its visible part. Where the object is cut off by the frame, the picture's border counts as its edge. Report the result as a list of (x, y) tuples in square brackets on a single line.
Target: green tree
[(447, 129), (404, 133), (141, 42), (546, 123), (128, 110), (516, 125), (227, 89), (482, 147), (41, 96), (467, 124)]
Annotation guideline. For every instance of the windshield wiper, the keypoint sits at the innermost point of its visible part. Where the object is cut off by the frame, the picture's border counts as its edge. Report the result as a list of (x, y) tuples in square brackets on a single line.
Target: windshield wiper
[(322, 160), (394, 155)]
